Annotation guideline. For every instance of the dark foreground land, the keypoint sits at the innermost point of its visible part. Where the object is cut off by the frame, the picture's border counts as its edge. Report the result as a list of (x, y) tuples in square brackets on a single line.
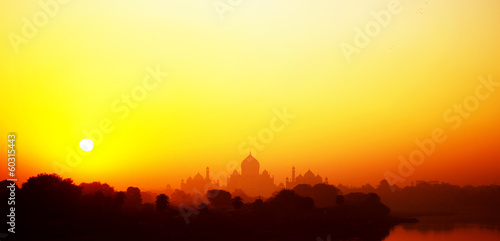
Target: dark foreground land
[(248, 223), (50, 208)]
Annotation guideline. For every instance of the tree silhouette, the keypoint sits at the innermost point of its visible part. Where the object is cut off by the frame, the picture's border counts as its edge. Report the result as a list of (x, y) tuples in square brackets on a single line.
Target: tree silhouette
[(162, 202), (304, 190), (181, 197), (340, 200), (384, 187), (52, 208), (373, 198), (53, 195), (243, 195), (219, 198), (133, 197), (202, 206), (288, 201), (323, 194), (367, 204), (118, 200), (202, 209), (258, 203), (95, 187), (237, 202), (92, 203)]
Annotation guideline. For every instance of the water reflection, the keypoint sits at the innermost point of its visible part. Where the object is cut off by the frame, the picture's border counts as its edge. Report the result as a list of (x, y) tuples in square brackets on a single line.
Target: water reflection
[(432, 229)]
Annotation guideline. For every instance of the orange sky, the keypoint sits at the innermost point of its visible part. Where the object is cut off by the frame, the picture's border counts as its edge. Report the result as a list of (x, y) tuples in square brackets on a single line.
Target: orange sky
[(69, 69)]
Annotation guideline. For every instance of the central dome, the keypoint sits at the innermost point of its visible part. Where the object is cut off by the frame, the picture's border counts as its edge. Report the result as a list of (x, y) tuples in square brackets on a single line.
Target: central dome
[(309, 174), (250, 166)]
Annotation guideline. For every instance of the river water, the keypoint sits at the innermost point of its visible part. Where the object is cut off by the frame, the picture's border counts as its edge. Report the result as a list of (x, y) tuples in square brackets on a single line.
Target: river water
[(434, 232)]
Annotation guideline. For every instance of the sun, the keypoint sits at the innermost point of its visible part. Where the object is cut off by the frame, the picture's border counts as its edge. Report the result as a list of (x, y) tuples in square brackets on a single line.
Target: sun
[(86, 145)]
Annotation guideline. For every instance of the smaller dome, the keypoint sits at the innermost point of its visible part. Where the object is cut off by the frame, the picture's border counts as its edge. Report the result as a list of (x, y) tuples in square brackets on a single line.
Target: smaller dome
[(265, 172), (235, 172)]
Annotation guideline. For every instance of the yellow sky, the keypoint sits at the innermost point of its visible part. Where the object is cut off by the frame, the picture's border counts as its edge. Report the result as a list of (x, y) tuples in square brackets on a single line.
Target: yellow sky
[(230, 72)]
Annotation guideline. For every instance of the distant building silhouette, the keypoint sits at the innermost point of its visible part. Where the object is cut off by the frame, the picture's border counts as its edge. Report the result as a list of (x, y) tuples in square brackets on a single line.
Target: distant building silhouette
[(420, 182), (169, 190), (198, 184), (308, 178), (251, 181)]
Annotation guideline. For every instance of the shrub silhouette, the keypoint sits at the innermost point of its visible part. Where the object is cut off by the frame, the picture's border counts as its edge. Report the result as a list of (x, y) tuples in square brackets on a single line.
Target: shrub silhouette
[(237, 202), (289, 201), (340, 200), (133, 197), (162, 202), (258, 203), (53, 195), (324, 195), (219, 198)]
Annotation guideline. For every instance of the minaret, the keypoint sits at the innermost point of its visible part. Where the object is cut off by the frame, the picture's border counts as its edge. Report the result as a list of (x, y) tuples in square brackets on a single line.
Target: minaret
[(293, 174), (208, 175)]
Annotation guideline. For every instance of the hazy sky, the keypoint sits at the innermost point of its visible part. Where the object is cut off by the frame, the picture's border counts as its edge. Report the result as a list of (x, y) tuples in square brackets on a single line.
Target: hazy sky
[(363, 79)]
